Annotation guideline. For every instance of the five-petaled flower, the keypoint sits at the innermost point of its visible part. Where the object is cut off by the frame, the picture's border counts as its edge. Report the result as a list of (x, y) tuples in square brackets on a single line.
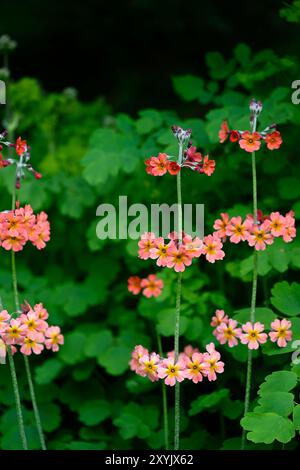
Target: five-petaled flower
[(253, 335), (282, 332)]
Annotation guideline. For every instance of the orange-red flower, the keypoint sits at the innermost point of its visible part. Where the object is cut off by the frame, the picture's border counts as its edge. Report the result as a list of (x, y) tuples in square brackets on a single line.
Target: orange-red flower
[(173, 168), (224, 132), (273, 140), (250, 142), (21, 146)]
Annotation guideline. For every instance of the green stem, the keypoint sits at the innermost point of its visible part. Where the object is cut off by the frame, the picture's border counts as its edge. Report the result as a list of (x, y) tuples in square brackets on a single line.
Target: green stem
[(17, 399), (177, 312), (164, 400), (34, 404), (27, 367), (253, 297)]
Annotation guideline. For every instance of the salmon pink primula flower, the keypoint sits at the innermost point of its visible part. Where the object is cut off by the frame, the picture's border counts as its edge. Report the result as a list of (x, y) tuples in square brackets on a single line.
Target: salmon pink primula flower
[(212, 248), (250, 142), (253, 335), (152, 286), (281, 333), (171, 371), (212, 358), (229, 333)]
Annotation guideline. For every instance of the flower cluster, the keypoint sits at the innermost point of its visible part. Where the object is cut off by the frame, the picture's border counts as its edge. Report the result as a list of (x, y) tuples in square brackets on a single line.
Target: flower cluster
[(21, 225), (172, 254), (227, 331), (251, 141), (267, 228), (30, 331), (151, 286), (189, 158), (191, 365), (22, 162)]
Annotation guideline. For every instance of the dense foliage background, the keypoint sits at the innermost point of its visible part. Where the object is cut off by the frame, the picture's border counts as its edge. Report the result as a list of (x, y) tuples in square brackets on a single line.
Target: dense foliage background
[(87, 152)]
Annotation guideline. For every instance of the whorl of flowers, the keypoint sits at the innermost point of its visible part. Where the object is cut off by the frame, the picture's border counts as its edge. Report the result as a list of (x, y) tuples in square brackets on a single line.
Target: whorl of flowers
[(28, 332), (191, 365), (231, 332), (19, 226)]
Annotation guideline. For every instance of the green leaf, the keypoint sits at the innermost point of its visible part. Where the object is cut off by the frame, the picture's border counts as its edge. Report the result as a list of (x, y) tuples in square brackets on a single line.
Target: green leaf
[(211, 400), (262, 314), (166, 322), (73, 349), (48, 371), (149, 120), (135, 420), (279, 381), (286, 298), (296, 417), (81, 445), (289, 188), (115, 359), (94, 412), (188, 87), (278, 255), (97, 343), (268, 427), (281, 403), (50, 416)]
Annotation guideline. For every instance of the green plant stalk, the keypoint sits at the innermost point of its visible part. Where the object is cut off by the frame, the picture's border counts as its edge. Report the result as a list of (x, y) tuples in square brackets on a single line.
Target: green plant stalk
[(164, 400), (27, 365), (17, 399), (177, 312), (253, 298)]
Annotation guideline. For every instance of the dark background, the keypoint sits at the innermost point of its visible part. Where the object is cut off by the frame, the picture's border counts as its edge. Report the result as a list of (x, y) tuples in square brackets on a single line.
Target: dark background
[(127, 50)]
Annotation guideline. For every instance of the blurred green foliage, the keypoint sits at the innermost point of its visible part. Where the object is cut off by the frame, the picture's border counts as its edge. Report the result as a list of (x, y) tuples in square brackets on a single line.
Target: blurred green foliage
[(89, 399)]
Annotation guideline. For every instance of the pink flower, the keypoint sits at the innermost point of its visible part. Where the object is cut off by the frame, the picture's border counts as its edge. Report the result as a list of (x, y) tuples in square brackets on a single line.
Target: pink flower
[(15, 332), (220, 225), (33, 323), (224, 132), (236, 230), (289, 231), (32, 343), (152, 286), (149, 365), (170, 371), (276, 224), (160, 252), (253, 335), (55, 338), (146, 242), (250, 142), (193, 155), (134, 284), (178, 258), (196, 368), (4, 319), (228, 333), (212, 358), (212, 248), (219, 318), (193, 247), (138, 352), (186, 355), (282, 332), (259, 235), (208, 166), (41, 312), (14, 243)]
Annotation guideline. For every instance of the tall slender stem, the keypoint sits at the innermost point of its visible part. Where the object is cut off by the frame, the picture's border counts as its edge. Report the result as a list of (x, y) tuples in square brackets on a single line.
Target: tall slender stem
[(253, 294), (27, 365), (17, 399), (177, 312), (164, 400)]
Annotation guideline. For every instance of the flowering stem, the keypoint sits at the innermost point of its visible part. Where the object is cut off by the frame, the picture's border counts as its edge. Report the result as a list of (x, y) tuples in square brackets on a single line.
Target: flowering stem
[(27, 366), (177, 312), (34, 404), (17, 399), (164, 398), (253, 297)]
